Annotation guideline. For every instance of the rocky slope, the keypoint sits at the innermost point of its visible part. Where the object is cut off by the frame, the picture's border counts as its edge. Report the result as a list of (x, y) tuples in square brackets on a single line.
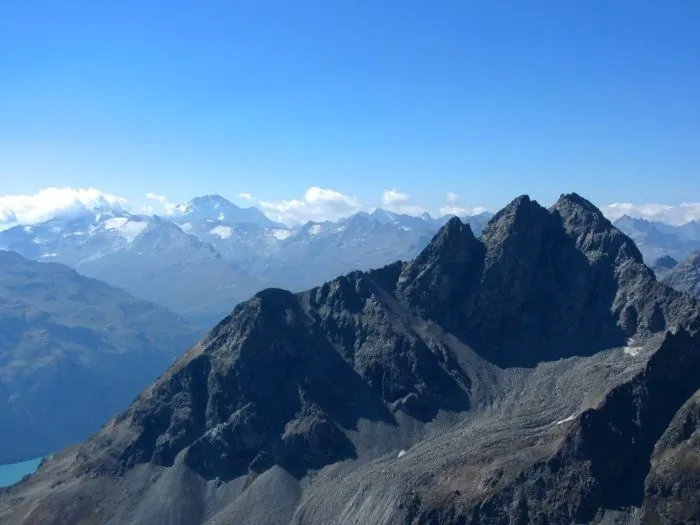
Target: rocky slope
[(521, 377), (73, 352), (685, 276)]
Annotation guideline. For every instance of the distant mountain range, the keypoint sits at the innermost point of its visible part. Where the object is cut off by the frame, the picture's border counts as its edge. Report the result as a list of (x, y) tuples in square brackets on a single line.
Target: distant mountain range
[(657, 239), (685, 276), (209, 255), (73, 351), (538, 373)]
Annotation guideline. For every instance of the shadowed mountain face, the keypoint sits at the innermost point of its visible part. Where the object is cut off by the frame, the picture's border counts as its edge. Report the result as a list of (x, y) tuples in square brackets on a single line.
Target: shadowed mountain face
[(475, 384), (73, 351), (663, 265)]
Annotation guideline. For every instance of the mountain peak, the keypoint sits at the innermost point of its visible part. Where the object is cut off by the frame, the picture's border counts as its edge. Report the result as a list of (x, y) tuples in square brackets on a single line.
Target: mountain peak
[(520, 215), (572, 204), (212, 200), (665, 261), (215, 208), (455, 236), (595, 235)]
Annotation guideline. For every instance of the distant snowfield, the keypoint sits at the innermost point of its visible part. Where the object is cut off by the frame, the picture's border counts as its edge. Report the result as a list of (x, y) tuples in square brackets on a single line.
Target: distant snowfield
[(566, 419), (125, 227), (224, 232)]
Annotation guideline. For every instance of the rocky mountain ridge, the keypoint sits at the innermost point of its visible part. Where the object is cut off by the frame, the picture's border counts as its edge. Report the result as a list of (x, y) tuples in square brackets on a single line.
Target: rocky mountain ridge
[(474, 384)]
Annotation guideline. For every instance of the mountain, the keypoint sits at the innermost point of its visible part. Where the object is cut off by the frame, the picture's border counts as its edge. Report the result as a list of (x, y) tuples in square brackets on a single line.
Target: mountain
[(685, 276), (319, 251), (73, 352), (210, 254), (216, 208), (305, 256), (656, 239), (148, 256), (662, 265), (537, 374)]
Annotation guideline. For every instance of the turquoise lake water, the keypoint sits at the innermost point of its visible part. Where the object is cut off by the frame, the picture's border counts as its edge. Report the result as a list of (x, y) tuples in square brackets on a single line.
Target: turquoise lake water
[(12, 473)]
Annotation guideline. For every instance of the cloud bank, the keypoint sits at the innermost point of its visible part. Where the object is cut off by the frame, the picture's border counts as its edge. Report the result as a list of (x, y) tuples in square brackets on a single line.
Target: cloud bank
[(51, 203), (675, 215), (317, 204)]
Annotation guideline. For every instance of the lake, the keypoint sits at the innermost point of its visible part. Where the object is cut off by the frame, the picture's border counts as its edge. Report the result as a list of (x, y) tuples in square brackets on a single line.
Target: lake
[(13, 472)]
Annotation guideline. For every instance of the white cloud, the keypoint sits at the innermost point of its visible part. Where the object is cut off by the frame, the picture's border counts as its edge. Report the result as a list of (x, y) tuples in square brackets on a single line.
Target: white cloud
[(50, 203), (453, 208), (318, 204), (392, 197), (246, 196), (676, 215), (395, 201), (168, 207), (460, 211)]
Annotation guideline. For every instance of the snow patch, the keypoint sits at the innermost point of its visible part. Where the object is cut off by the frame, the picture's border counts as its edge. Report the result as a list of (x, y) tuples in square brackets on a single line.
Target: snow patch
[(402, 453), (315, 229), (27, 229), (631, 349), (126, 228), (222, 231), (48, 255), (566, 420), (221, 216), (281, 235), (187, 227)]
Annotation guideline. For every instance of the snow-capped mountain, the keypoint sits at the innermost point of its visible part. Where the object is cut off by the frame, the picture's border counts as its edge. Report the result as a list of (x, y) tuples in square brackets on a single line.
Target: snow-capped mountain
[(217, 209), (211, 254), (317, 251), (148, 256)]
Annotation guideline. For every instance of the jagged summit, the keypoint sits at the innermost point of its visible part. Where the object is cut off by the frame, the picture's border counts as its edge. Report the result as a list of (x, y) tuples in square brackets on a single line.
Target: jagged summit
[(474, 382)]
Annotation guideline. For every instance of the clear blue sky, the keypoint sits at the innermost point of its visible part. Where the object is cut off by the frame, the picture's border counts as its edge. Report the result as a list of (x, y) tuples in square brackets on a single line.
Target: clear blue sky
[(487, 98)]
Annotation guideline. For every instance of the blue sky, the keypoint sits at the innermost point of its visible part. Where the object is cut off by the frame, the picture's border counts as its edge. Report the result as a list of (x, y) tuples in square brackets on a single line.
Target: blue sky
[(488, 99)]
